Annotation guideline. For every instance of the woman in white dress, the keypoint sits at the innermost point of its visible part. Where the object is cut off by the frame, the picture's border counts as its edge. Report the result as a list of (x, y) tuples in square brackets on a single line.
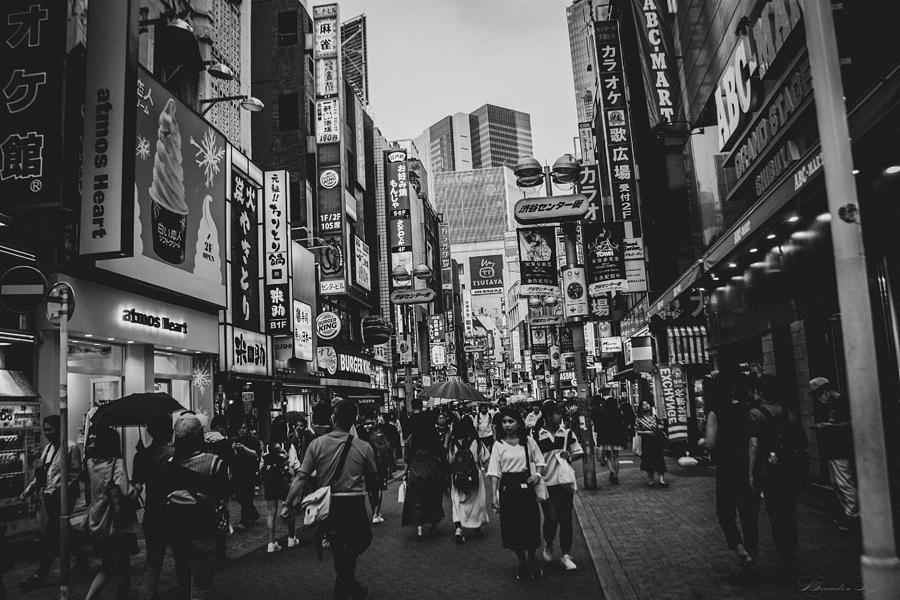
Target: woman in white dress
[(468, 458)]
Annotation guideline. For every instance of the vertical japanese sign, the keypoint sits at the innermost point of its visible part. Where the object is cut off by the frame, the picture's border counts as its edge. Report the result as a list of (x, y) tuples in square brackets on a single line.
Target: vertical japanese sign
[(362, 268), (604, 250), (330, 198), (616, 121), (656, 49), (586, 140), (673, 393), (303, 340), (107, 190), (399, 222), (244, 252), (444, 244), (436, 331), (537, 260), (31, 80), (277, 255)]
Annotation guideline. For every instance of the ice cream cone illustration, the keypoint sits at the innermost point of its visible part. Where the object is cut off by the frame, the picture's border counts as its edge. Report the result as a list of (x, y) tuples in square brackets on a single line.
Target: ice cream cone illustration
[(168, 208), (207, 263)]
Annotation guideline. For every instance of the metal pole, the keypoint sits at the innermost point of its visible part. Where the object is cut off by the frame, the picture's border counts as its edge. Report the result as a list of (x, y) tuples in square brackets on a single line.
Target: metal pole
[(64, 576), (879, 563), (577, 332), (408, 382)]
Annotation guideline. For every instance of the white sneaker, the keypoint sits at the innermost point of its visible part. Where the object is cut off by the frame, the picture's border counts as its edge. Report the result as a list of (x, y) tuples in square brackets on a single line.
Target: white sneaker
[(293, 541), (547, 555), (567, 562), (273, 547), (377, 519)]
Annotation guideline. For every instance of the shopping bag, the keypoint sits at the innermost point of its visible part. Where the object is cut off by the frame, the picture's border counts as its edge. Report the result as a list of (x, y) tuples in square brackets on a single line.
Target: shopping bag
[(636, 445), (565, 473), (401, 493)]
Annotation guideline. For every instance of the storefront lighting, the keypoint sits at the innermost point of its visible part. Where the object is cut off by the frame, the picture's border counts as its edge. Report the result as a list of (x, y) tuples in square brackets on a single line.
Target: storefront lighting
[(824, 218), (793, 219), (732, 265), (753, 250), (771, 236), (892, 170), (110, 339), (89, 335), (168, 347), (855, 171), (130, 342), (798, 236)]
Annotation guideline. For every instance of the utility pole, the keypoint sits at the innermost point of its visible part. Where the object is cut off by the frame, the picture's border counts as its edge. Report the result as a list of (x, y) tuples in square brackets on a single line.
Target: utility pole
[(879, 563), (64, 526)]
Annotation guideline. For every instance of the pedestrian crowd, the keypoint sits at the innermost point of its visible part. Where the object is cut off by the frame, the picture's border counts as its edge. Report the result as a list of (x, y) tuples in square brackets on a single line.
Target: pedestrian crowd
[(513, 463)]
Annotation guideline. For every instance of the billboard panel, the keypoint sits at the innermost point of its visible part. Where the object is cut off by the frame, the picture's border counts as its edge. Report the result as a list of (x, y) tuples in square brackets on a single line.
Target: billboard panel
[(486, 274)]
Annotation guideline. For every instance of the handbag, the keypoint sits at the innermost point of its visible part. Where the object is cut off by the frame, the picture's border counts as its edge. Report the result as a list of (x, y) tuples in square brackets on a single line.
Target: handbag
[(317, 506), (540, 488), (566, 474), (401, 493)]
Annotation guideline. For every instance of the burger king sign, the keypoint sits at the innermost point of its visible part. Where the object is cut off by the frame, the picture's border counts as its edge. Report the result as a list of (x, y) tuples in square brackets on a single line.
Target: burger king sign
[(328, 325)]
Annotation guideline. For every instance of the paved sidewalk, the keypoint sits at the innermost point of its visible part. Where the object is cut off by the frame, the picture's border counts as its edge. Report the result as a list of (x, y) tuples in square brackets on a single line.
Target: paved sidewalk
[(666, 543)]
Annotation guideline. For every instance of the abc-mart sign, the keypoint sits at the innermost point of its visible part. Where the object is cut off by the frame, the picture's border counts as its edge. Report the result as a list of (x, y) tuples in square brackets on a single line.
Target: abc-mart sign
[(551, 209)]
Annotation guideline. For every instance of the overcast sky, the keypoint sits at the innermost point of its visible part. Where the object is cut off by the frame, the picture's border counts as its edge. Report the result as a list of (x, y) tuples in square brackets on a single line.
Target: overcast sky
[(432, 58)]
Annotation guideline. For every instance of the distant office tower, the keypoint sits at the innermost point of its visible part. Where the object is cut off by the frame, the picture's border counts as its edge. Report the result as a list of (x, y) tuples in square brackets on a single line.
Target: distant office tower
[(446, 145), (355, 56), (476, 203), (500, 136)]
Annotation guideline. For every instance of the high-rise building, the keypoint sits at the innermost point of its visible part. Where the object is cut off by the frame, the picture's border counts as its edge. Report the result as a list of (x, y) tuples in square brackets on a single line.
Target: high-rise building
[(578, 18), (500, 136), (354, 56), (476, 203)]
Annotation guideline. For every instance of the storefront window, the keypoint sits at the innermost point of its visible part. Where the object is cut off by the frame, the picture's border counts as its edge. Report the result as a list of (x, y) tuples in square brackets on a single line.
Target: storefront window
[(95, 372), (172, 375)]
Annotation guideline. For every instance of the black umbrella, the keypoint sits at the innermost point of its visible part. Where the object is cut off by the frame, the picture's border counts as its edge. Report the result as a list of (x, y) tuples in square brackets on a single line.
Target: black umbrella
[(444, 392), (135, 409)]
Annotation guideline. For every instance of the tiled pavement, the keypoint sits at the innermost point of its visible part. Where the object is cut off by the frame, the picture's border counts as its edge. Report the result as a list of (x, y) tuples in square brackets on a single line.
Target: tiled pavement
[(666, 543)]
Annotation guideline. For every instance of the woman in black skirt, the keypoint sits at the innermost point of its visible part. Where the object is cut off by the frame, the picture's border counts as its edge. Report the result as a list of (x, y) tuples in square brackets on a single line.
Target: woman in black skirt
[(516, 465), (653, 445)]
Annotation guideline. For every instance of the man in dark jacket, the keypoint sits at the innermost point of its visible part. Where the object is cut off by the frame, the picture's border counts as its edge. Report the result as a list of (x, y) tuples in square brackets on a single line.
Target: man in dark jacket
[(149, 474), (835, 436), (244, 467)]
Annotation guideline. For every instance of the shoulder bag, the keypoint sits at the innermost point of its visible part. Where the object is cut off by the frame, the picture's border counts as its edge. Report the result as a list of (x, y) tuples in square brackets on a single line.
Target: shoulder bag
[(317, 506), (566, 474), (540, 488)]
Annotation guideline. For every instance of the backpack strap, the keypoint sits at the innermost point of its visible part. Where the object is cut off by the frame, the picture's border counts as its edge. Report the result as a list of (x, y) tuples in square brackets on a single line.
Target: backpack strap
[(340, 466)]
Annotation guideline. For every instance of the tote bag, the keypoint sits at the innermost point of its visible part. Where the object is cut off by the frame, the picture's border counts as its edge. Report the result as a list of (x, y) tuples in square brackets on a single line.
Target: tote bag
[(566, 474), (540, 487), (317, 506)]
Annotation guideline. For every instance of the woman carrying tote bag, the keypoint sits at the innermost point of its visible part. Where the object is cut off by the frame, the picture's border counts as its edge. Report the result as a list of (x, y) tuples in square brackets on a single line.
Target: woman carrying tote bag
[(111, 518), (515, 470)]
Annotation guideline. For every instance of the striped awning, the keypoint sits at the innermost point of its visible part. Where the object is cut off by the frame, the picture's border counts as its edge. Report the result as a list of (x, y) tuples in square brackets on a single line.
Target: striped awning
[(687, 345)]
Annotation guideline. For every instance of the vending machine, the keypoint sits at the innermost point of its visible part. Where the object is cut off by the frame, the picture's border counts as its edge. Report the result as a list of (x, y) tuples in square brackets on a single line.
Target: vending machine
[(20, 446)]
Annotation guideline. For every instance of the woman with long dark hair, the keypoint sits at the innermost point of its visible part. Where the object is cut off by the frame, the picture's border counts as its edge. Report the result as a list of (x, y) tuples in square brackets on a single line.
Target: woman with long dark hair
[(424, 476), (468, 458), (653, 445), (112, 518), (516, 466)]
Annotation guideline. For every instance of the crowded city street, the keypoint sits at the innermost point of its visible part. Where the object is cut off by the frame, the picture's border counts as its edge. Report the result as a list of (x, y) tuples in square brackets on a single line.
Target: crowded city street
[(421, 299)]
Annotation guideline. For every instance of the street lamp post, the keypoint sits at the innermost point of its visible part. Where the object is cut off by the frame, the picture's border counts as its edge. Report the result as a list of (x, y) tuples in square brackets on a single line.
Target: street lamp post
[(565, 171)]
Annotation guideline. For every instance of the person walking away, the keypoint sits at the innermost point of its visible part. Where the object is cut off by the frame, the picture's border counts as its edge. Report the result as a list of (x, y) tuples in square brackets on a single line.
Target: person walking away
[(560, 447), (596, 415), (611, 435), (112, 516), (776, 448), (727, 437), (276, 479), (653, 445), (628, 417), (149, 471), (468, 458), (835, 438), (196, 480), (347, 526), (243, 473), (218, 443), (484, 425), (424, 477), (386, 424), (47, 482), (515, 467), (384, 463)]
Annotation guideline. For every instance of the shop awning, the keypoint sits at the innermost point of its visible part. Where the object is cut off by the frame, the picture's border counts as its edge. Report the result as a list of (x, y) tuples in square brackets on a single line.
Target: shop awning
[(687, 345), (14, 384), (684, 282)]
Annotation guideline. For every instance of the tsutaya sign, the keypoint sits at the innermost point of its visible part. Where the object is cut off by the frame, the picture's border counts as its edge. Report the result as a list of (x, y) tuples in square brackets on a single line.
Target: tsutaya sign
[(738, 90)]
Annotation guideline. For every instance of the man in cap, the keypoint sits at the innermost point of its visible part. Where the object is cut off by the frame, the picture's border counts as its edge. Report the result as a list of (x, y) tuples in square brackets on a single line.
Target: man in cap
[(835, 436), (196, 481), (347, 464)]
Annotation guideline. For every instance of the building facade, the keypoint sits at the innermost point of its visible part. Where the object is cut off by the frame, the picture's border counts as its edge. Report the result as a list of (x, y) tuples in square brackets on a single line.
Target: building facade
[(500, 136)]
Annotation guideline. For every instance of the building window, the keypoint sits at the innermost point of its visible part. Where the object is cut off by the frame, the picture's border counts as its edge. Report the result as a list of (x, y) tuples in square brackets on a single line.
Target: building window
[(287, 28), (288, 112)]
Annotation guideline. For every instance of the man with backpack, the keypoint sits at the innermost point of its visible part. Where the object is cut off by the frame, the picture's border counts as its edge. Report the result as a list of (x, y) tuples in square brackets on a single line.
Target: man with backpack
[(347, 465), (776, 452), (195, 482)]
